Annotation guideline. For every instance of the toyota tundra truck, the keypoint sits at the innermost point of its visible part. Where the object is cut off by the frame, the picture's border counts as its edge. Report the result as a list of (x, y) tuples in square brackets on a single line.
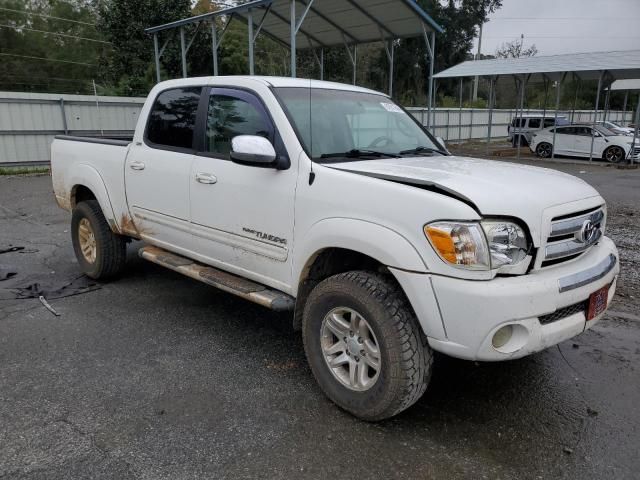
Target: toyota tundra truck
[(332, 202)]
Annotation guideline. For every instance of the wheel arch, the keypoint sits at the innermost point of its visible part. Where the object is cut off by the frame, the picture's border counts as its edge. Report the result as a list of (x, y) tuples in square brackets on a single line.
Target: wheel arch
[(86, 184), (339, 245)]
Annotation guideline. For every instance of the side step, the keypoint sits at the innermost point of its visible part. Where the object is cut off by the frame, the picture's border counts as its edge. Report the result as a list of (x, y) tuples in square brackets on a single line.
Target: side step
[(273, 299)]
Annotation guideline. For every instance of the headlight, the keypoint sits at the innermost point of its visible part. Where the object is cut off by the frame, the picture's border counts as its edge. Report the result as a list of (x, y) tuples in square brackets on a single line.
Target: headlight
[(491, 244), (459, 244), (507, 242)]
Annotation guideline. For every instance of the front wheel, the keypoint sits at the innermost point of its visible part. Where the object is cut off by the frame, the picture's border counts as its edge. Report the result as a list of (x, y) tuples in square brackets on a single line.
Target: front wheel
[(614, 154), (364, 345), (100, 253), (544, 149)]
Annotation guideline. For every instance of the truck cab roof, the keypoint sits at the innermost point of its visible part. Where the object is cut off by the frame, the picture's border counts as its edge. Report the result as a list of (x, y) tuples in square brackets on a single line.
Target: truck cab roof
[(266, 81)]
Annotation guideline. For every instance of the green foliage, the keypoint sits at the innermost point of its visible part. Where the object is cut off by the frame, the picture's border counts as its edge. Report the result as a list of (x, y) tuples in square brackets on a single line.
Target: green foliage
[(58, 61)]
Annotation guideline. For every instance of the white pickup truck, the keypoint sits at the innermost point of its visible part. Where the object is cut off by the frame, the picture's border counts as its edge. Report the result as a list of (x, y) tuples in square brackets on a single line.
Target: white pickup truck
[(331, 201)]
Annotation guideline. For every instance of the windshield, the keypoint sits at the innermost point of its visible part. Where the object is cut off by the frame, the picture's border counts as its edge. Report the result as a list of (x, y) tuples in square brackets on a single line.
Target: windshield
[(342, 123), (605, 131)]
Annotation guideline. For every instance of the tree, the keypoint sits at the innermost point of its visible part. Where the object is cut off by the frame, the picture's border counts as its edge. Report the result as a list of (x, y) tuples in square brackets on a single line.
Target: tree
[(49, 45), (516, 49), (129, 66), (460, 20)]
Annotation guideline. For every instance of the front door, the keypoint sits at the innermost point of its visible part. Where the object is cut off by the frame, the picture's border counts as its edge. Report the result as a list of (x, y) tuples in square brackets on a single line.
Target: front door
[(242, 216), (158, 169), (583, 142)]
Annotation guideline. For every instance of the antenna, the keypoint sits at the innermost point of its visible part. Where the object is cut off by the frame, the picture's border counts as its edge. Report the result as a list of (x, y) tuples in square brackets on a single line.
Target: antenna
[(312, 174)]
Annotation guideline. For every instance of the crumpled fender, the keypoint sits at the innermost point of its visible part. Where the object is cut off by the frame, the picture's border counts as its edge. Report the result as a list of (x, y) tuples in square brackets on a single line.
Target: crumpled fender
[(381, 243)]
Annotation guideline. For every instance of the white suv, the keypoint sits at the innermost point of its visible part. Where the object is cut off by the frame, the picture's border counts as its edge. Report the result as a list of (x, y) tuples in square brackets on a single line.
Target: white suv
[(575, 140), (526, 126)]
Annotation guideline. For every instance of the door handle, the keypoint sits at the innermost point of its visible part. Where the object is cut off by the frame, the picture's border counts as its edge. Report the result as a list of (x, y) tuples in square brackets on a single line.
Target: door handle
[(206, 178), (137, 165)]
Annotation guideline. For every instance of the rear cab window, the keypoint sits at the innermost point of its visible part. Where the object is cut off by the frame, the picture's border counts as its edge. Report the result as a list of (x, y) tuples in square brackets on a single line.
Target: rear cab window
[(172, 119)]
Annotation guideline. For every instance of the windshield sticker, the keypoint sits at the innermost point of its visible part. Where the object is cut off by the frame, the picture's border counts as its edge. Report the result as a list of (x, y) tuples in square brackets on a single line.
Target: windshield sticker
[(391, 107)]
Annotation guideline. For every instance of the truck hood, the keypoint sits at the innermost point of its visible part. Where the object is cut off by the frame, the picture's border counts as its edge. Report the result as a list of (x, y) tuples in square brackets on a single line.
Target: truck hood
[(493, 188)]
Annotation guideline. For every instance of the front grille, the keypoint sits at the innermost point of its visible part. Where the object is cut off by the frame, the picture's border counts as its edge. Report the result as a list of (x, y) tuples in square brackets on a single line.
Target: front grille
[(568, 237), (565, 312)]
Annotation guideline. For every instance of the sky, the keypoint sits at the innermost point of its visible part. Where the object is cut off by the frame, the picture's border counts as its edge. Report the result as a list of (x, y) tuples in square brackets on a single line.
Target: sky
[(564, 26)]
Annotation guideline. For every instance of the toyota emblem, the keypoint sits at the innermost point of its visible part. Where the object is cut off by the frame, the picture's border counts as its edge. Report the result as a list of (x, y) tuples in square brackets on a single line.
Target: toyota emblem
[(588, 232)]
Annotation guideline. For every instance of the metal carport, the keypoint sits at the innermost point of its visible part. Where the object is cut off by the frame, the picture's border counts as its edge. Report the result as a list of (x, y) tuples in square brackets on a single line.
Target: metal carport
[(606, 67), (309, 24)]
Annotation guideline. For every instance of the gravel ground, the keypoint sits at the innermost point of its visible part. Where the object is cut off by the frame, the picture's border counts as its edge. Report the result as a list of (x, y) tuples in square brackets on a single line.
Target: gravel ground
[(156, 376)]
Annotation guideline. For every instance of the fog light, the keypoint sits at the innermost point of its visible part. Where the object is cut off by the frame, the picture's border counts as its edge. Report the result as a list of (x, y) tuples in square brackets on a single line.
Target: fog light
[(502, 336)]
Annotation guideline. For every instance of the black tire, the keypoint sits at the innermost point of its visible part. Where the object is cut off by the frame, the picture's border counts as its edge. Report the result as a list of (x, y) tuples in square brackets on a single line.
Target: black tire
[(111, 249), (544, 150), (614, 154), (406, 358)]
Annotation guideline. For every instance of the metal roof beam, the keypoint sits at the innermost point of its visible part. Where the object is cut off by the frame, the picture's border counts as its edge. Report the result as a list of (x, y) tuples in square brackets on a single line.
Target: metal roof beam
[(332, 23), (372, 18), (205, 16), (305, 33)]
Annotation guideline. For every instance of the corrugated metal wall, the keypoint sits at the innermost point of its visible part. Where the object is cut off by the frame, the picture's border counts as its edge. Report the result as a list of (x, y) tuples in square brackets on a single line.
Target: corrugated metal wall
[(454, 124), (29, 121)]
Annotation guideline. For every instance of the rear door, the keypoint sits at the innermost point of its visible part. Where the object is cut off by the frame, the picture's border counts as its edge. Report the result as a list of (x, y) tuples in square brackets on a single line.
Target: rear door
[(242, 215), (564, 141), (158, 169)]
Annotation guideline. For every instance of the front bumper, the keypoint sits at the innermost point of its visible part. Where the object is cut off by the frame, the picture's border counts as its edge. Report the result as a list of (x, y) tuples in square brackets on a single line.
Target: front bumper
[(460, 317)]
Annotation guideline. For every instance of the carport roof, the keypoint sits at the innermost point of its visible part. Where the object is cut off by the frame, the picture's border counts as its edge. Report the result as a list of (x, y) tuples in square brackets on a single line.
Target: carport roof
[(329, 22), (633, 84), (620, 65)]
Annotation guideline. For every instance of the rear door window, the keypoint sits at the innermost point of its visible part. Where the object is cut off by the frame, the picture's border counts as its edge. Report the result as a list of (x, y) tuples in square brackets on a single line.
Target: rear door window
[(534, 123), (172, 119)]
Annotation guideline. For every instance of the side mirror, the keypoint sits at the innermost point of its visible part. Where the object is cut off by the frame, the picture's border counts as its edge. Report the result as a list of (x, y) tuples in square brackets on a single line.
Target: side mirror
[(252, 149), (440, 140)]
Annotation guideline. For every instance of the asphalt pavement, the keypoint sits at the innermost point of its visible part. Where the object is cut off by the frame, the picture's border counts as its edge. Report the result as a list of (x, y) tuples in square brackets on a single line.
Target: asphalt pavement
[(156, 376)]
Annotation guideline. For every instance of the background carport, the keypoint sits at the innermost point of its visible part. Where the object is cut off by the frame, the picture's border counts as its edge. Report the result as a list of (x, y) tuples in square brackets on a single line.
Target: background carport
[(606, 67), (309, 24)]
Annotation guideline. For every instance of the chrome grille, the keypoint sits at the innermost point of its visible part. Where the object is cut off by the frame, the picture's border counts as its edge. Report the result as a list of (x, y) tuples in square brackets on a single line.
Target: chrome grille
[(572, 235)]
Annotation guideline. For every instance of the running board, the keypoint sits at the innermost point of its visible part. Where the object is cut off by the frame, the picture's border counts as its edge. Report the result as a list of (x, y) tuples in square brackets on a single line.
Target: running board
[(254, 292)]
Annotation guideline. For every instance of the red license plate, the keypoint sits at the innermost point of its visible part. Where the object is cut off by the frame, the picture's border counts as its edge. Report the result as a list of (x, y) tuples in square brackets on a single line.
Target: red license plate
[(598, 302)]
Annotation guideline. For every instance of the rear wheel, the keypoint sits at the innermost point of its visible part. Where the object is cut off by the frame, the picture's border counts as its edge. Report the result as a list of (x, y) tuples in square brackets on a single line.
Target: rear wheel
[(544, 150), (364, 345), (101, 253), (614, 154)]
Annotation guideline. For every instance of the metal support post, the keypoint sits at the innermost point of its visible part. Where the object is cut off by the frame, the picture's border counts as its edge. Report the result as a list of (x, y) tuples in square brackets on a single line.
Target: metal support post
[(214, 47), (251, 40), (636, 128), (64, 117), (355, 62), (606, 103), (555, 115), (547, 81), (322, 64), (595, 114), (293, 38), (157, 56), (624, 107), (183, 53), (491, 100), (523, 84), (459, 114)]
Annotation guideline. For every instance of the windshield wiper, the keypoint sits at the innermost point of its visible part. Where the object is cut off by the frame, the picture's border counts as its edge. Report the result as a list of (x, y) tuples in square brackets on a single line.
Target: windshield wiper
[(358, 153), (422, 149)]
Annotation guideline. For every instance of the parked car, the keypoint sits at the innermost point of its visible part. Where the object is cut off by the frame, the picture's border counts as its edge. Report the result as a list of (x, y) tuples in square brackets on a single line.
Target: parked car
[(334, 203), (615, 128), (575, 140), (524, 127)]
